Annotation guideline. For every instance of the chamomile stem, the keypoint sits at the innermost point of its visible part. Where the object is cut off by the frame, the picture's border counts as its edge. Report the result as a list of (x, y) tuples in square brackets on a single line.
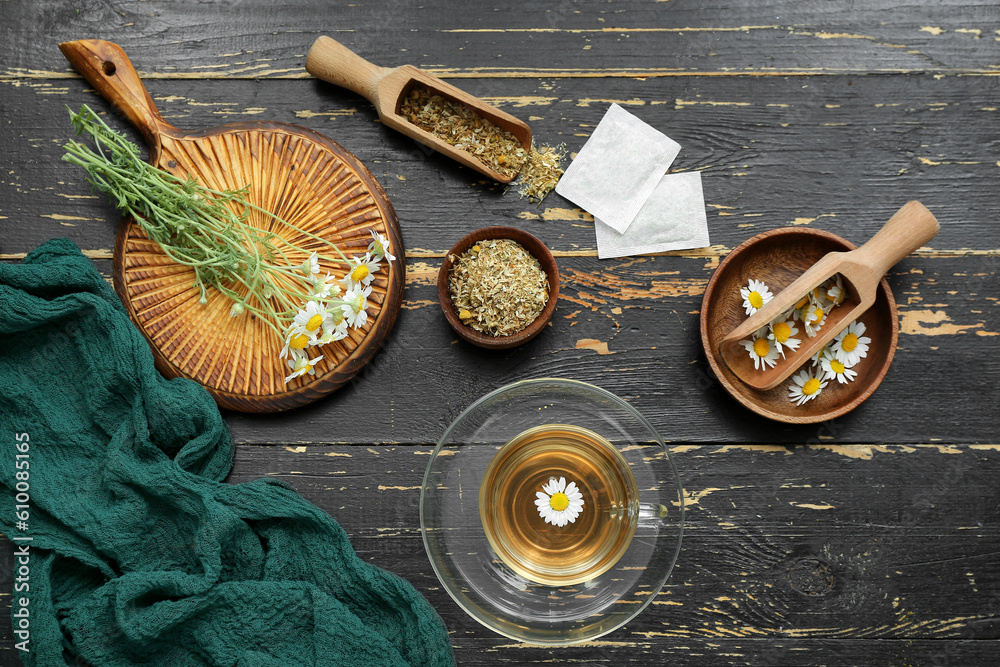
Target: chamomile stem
[(196, 226)]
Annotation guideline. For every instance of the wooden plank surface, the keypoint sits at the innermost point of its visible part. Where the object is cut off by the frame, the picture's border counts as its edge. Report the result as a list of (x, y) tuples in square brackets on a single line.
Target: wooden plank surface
[(832, 152), (773, 152), (821, 554), (580, 39)]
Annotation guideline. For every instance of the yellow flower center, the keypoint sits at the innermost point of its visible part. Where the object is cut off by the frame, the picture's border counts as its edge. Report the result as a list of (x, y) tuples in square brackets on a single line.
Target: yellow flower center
[(782, 331), (359, 273), (755, 299), (299, 341), (817, 315), (761, 347), (837, 367), (810, 387), (559, 501), (802, 303), (849, 342), (314, 322)]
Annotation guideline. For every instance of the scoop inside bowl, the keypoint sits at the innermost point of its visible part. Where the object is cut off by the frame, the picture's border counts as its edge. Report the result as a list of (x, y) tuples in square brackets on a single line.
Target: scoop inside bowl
[(777, 257)]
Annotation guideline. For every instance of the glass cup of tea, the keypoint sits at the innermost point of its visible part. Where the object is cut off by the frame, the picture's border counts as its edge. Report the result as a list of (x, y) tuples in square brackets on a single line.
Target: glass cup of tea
[(545, 504)]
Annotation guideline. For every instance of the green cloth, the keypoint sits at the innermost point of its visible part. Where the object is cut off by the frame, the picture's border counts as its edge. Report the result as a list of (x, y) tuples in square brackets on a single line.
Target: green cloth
[(140, 554)]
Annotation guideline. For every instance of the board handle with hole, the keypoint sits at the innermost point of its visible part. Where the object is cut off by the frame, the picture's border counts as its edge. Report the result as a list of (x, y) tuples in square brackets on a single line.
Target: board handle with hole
[(106, 67)]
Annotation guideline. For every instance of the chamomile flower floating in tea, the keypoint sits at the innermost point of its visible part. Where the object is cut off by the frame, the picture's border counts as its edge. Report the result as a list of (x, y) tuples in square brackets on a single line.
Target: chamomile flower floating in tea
[(835, 369), (762, 350), (755, 295), (851, 346), (559, 503), (805, 387), (782, 332)]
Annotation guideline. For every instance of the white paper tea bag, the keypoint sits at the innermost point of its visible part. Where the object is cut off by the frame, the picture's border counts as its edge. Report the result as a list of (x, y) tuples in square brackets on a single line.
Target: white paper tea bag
[(673, 218), (618, 167)]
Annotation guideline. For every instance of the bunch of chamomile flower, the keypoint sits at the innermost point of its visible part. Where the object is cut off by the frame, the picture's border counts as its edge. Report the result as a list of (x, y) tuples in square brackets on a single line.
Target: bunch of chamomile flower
[(836, 361), (210, 232), (332, 308)]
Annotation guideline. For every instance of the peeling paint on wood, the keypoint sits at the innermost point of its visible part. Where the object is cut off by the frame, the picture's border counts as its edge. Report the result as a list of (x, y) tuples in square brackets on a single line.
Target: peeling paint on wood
[(600, 347)]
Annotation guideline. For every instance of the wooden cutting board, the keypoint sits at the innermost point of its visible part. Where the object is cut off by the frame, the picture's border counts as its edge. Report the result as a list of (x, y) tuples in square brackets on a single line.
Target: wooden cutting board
[(291, 171)]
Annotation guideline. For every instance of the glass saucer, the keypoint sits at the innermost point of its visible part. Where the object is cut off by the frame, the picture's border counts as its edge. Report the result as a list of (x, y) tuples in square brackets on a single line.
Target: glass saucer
[(504, 598)]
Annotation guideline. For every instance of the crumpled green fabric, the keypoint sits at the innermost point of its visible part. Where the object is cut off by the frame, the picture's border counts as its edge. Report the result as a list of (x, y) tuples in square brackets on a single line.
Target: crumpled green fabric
[(140, 554)]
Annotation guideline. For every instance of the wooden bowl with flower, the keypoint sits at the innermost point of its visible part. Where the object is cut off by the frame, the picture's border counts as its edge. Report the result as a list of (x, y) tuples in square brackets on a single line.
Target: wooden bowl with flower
[(536, 249), (776, 258)]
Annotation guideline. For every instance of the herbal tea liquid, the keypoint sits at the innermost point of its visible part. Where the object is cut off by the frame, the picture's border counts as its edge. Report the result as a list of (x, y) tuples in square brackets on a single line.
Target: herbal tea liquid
[(583, 548)]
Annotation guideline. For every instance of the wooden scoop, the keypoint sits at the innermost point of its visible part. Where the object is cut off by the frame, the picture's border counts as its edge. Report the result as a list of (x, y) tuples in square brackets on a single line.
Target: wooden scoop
[(911, 227), (387, 89)]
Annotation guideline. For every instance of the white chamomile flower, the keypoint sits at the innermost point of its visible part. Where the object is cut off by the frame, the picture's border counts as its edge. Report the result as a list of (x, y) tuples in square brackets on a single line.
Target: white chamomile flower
[(851, 346), (835, 290), (755, 295), (805, 387), (355, 305), (799, 309), (782, 332), (334, 327), (559, 503), (338, 332), (818, 297), (302, 365), (362, 273), (761, 350), (836, 370), (813, 317), (311, 265), (379, 247), (297, 339), (311, 318), (325, 288)]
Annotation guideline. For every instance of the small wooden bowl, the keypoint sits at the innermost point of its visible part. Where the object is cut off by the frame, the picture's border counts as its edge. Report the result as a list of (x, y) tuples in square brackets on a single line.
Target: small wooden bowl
[(778, 257), (537, 249)]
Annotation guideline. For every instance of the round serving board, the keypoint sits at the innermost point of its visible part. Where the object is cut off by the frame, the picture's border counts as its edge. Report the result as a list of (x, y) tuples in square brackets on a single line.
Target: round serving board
[(294, 173)]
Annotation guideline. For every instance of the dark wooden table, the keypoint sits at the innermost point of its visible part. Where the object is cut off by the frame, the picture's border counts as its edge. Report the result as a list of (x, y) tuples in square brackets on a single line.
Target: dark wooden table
[(873, 539)]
